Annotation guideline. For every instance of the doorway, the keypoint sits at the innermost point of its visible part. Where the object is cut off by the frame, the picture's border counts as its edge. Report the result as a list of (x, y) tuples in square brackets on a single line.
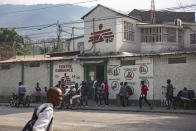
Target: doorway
[(100, 73)]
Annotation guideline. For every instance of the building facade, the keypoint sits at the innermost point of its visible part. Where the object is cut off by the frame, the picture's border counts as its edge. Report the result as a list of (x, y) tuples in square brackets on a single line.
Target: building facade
[(115, 48)]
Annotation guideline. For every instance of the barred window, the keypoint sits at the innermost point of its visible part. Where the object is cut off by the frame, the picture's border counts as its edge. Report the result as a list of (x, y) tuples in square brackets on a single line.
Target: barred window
[(193, 38), (80, 45), (5, 67), (127, 62), (152, 34), (34, 64), (176, 60), (128, 31)]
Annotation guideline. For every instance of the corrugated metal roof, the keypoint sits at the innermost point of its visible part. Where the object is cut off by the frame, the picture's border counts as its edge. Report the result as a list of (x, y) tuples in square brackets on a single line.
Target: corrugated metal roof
[(110, 10), (35, 59), (90, 57)]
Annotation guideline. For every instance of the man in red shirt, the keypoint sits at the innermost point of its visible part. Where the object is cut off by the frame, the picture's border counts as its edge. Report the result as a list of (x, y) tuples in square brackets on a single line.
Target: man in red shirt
[(106, 92), (144, 90)]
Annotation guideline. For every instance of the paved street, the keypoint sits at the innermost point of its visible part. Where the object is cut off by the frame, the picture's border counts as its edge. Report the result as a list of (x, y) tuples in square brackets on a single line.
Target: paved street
[(13, 119)]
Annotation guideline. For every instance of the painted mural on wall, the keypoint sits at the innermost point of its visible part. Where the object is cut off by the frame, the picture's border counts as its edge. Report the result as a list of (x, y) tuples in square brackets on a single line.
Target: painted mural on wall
[(133, 75), (101, 35), (67, 73)]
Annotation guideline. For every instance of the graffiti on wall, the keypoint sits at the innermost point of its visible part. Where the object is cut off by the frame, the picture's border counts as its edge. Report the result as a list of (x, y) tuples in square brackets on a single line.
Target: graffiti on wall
[(115, 85), (143, 69), (129, 73), (133, 75)]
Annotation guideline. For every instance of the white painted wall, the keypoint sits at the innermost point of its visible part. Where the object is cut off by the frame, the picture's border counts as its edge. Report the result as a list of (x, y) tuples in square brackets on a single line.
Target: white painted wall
[(158, 47), (32, 75), (74, 44), (181, 75), (124, 45), (9, 79), (74, 70), (135, 78), (187, 33), (100, 13)]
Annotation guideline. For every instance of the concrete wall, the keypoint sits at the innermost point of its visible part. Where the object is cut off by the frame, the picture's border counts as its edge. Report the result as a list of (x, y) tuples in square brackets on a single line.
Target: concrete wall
[(122, 44), (158, 47), (32, 75), (131, 74), (181, 75), (187, 45), (9, 79), (100, 13), (74, 44)]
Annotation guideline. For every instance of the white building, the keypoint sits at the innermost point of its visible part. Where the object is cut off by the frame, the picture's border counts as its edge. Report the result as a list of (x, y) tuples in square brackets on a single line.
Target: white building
[(117, 48)]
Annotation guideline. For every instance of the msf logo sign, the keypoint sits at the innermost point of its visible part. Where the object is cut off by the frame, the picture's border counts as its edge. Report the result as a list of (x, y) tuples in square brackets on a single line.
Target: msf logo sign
[(101, 35)]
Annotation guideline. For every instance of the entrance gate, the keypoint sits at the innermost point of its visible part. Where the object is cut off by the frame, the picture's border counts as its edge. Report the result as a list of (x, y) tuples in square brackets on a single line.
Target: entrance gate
[(94, 72)]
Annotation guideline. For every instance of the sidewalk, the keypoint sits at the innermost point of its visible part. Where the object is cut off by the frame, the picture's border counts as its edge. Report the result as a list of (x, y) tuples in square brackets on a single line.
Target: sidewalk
[(126, 109)]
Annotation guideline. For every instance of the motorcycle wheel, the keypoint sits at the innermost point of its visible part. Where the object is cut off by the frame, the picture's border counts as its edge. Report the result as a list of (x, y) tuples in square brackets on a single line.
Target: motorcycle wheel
[(11, 102)]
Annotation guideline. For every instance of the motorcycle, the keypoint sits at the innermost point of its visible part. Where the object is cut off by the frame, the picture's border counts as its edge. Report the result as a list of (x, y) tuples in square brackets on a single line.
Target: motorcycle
[(14, 101), (70, 99)]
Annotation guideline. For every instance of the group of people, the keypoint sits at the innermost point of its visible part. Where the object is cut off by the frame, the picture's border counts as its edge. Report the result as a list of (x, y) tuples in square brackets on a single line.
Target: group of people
[(71, 91), (38, 93), (126, 91), (55, 97), (101, 92)]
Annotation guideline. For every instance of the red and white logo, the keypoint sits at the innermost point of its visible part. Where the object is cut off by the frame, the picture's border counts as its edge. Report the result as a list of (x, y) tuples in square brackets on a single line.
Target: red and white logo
[(101, 35)]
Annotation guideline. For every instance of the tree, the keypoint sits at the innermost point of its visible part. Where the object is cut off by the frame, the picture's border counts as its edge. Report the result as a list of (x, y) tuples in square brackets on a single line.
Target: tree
[(11, 39)]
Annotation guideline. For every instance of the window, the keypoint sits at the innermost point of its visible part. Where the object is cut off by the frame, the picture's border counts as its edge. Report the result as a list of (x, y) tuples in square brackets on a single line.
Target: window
[(127, 62), (128, 31), (5, 67), (176, 60), (193, 38), (171, 35), (151, 34), (34, 64), (80, 46)]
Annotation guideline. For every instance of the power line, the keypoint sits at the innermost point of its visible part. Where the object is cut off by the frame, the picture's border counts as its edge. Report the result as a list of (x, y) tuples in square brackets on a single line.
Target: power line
[(22, 11), (176, 8), (38, 34)]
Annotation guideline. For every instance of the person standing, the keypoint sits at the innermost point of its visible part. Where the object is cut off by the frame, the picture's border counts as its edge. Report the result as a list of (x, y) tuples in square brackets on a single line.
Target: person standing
[(127, 94), (106, 93), (122, 94), (38, 92), (144, 90), (45, 117), (84, 93), (94, 89), (169, 93), (21, 93)]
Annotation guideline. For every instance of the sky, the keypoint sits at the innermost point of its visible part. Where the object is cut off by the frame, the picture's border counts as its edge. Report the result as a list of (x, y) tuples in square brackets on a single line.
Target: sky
[(122, 5)]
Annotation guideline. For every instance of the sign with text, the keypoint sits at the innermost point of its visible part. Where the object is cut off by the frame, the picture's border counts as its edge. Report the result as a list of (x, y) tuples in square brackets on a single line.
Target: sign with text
[(66, 73)]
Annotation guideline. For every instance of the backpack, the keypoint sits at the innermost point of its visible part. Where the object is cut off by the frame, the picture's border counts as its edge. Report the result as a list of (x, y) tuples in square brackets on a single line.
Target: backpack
[(129, 90), (30, 123)]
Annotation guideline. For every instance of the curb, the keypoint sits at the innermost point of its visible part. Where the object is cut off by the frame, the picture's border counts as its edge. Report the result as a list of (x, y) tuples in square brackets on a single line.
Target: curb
[(123, 110), (135, 110)]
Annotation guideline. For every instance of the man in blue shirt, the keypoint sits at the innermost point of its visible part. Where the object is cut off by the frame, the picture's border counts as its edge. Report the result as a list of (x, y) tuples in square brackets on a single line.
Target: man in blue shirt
[(122, 94), (21, 93)]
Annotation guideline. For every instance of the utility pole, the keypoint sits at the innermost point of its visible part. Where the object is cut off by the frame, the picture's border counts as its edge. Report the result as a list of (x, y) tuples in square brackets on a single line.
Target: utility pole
[(44, 49), (152, 13), (59, 31), (94, 50), (73, 38)]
